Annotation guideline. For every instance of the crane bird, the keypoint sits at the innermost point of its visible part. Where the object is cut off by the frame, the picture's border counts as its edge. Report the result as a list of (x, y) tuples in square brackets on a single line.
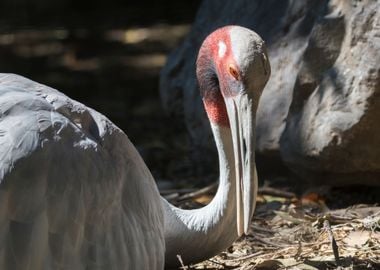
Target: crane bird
[(75, 193)]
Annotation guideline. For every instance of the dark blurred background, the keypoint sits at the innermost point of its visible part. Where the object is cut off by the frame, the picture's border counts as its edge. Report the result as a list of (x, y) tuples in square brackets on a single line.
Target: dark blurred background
[(107, 55), (95, 14)]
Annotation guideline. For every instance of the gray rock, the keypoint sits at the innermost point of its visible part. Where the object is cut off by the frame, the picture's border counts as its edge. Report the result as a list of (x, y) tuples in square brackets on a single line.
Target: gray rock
[(332, 131), (319, 110)]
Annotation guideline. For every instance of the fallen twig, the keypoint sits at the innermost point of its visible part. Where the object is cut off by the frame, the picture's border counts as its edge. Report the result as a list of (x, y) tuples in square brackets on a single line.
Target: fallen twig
[(198, 193), (261, 229), (181, 262), (171, 196), (177, 190), (276, 192), (250, 256), (326, 225), (290, 218), (356, 212), (372, 222), (267, 242)]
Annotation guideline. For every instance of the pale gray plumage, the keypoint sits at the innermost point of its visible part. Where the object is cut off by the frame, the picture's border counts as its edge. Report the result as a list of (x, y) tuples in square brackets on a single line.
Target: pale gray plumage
[(75, 194), (68, 198)]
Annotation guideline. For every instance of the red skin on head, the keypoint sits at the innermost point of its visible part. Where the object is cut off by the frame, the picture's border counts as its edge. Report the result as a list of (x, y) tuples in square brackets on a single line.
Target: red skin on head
[(216, 108), (213, 99)]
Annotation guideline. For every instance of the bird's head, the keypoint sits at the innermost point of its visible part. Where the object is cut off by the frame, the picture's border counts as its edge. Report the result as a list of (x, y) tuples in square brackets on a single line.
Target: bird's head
[(232, 70)]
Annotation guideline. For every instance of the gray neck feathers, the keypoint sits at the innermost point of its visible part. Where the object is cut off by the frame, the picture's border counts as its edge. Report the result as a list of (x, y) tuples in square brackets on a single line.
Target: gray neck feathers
[(202, 233)]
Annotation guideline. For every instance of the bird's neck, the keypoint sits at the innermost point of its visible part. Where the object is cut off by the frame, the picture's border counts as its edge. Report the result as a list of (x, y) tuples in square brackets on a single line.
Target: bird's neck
[(202, 233)]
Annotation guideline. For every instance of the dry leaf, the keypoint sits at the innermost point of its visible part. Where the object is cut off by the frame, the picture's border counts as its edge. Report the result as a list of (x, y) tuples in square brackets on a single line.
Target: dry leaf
[(204, 199), (312, 196), (357, 238)]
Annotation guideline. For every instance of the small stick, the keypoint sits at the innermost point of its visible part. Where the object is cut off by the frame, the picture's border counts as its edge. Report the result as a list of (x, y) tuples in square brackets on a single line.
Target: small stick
[(288, 217), (267, 242), (171, 196), (181, 262), (218, 263), (197, 193), (299, 250), (326, 225), (247, 256), (258, 228), (276, 192), (177, 190)]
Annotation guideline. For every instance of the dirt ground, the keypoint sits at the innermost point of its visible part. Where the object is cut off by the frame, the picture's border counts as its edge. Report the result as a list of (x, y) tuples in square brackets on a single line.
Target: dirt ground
[(321, 228), (116, 71)]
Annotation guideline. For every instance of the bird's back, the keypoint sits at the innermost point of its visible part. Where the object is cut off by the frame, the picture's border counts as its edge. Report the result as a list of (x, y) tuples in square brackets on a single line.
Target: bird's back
[(74, 193)]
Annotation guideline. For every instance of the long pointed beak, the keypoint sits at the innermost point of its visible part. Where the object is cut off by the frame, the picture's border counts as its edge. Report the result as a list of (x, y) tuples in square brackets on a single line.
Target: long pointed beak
[(241, 117)]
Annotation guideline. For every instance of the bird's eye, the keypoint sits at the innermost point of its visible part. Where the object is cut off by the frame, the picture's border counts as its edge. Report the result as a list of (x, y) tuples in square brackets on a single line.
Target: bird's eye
[(234, 73)]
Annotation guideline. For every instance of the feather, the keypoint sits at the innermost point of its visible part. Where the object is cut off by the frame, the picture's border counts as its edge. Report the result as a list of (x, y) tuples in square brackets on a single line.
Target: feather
[(66, 173)]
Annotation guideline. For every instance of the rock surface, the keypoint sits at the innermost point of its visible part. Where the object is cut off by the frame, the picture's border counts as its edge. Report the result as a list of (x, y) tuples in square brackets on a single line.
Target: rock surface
[(333, 123), (320, 111)]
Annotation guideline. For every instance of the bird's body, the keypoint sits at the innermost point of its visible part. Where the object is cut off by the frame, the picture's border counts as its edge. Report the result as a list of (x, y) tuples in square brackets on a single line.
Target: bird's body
[(69, 195), (75, 194)]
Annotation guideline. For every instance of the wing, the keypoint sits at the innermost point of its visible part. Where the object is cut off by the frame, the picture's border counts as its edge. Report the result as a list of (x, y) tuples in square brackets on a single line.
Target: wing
[(74, 193)]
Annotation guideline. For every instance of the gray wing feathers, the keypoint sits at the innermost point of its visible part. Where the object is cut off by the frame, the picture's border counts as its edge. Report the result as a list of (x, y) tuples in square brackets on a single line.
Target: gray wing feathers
[(74, 193)]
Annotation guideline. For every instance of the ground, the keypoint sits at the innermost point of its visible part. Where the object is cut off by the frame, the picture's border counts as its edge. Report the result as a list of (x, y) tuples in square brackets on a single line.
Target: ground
[(323, 228)]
